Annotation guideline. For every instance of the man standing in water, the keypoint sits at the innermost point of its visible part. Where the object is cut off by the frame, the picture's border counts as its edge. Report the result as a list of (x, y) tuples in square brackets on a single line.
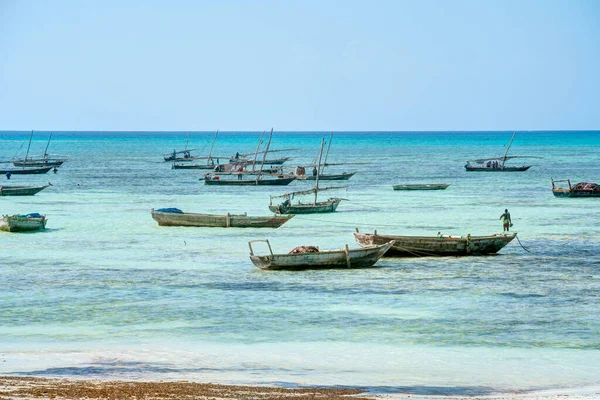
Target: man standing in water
[(506, 222)]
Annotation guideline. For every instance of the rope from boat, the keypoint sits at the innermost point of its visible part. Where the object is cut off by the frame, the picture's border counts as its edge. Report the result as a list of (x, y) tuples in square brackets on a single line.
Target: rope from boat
[(521, 244)]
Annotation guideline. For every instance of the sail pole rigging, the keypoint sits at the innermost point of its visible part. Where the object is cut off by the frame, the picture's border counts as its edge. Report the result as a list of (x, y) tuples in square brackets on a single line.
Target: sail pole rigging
[(318, 168), (47, 144), (506, 152), (28, 146), (211, 149), (264, 156), (327, 153), (257, 148)]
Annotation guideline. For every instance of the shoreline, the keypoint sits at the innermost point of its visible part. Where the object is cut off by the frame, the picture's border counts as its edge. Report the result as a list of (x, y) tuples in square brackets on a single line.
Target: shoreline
[(29, 388)]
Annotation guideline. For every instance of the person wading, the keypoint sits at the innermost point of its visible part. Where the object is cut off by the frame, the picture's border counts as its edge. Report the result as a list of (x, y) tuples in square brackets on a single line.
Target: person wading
[(506, 222)]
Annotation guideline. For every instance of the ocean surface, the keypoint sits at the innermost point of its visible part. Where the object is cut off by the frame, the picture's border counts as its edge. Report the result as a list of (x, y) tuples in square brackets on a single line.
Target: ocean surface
[(104, 292)]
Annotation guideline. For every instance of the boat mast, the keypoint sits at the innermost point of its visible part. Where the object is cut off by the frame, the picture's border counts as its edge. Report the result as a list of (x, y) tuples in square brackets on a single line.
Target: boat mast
[(47, 144), (506, 152), (318, 168), (327, 153), (211, 148), (256, 151), (26, 154), (187, 141), (264, 155)]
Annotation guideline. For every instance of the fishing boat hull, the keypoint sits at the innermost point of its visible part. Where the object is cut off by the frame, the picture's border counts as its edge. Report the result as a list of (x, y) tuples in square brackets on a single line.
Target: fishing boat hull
[(26, 170), (22, 223), (38, 163), (581, 189), (424, 186), (219, 221), (193, 166), (474, 168), (248, 182), (342, 258), (21, 190), (307, 208), (331, 177), (422, 246)]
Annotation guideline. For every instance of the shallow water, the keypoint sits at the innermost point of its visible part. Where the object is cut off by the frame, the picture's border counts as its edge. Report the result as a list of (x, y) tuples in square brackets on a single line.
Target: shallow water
[(106, 293)]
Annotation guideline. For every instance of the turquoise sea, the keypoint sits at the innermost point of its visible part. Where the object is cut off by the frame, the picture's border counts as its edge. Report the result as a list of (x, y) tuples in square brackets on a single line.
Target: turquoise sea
[(105, 293)]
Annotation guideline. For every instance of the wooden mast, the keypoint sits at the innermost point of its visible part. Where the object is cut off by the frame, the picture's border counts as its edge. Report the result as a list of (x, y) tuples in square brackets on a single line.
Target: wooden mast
[(264, 156), (506, 152), (256, 151), (211, 148), (47, 144), (327, 153), (28, 146), (318, 168)]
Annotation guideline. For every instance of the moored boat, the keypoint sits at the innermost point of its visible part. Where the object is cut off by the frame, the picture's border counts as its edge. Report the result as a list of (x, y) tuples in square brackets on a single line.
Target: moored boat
[(23, 222), (439, 245), (581, 189), (26, 170), (21, 190), (309, 257), (176, 217), (422, 186), (497, 164)]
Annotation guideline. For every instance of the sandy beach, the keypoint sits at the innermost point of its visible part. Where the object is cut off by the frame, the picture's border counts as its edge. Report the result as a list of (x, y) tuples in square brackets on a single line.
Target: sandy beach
[(45, 388)]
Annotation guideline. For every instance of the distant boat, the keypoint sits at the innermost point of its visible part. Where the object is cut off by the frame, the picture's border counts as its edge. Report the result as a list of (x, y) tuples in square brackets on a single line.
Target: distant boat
[(40, 160), (288, 206), (21, 190), (23, 223), (439, 245), (581, 189), (344, 176), (497, 164), (176, 217), (307, 257), (422, 186), (26, 170), (181, 155), (258, 178)]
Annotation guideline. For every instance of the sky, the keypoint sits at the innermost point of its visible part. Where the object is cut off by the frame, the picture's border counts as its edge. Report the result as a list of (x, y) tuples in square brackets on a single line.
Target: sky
[(299, 65)]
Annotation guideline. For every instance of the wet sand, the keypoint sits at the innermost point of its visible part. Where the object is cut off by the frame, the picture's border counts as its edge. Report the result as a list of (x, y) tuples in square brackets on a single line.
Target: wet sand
[(28, 388)]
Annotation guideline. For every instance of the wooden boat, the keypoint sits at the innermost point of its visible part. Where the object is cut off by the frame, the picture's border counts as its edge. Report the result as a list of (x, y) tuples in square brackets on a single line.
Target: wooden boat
[(23, 223), (40, 160), (422, 186), (306, 257), (299, 207), (581, 189), (181, 155), (176, 217), (21, 190), (497, 164), (344, 176), (259, 178), (319, 169), (439, 245), (26, 170)]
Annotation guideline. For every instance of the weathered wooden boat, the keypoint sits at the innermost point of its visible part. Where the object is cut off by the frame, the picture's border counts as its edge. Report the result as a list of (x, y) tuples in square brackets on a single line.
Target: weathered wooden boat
[(310, 257), (184, 155), (258, 178), (581, 189), (497, 164), (40, 160), (193, 166), (23, 223), (301, 207), (26, 170), (21, 190), (319, 168), (344, 176), (439, 245), (422, 186), (176, 217)]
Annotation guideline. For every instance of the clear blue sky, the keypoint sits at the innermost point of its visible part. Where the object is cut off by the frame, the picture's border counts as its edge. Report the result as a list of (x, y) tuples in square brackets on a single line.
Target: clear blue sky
[(299, 65)]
